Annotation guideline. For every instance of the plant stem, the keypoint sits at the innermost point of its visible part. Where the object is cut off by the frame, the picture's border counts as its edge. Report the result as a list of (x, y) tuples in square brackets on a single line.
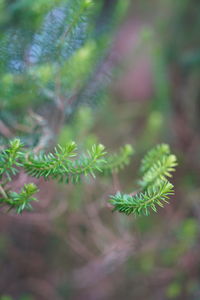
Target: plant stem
[(2, 191)]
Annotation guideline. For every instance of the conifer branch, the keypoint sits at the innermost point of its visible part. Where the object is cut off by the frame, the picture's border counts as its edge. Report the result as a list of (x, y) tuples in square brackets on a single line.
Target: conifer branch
[(66, 165), (143, 201), (156, 166), (61, 166)]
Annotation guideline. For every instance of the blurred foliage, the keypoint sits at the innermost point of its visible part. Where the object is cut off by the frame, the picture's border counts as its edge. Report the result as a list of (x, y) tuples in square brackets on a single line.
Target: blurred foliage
[(83, 250)]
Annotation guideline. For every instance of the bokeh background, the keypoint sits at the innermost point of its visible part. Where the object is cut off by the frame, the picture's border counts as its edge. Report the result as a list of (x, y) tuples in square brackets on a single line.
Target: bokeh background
[(127, 72)]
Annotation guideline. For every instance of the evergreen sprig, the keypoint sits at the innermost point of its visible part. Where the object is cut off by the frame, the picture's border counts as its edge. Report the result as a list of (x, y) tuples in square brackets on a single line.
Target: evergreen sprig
[(156, 167), (61, 166), (143, 201), (66, 164)]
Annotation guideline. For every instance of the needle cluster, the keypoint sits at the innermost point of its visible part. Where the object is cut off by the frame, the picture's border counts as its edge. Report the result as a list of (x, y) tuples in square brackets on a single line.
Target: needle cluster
[(155, 189)]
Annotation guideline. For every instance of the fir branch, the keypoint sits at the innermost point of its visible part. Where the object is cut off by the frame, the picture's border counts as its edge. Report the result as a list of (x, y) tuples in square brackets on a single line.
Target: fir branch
[(64, 164), (141, 202), (156, 167), (61, 166)]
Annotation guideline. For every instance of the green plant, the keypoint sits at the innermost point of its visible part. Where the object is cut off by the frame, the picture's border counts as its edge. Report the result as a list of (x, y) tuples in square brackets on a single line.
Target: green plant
[(156, 166), (65, 165)]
